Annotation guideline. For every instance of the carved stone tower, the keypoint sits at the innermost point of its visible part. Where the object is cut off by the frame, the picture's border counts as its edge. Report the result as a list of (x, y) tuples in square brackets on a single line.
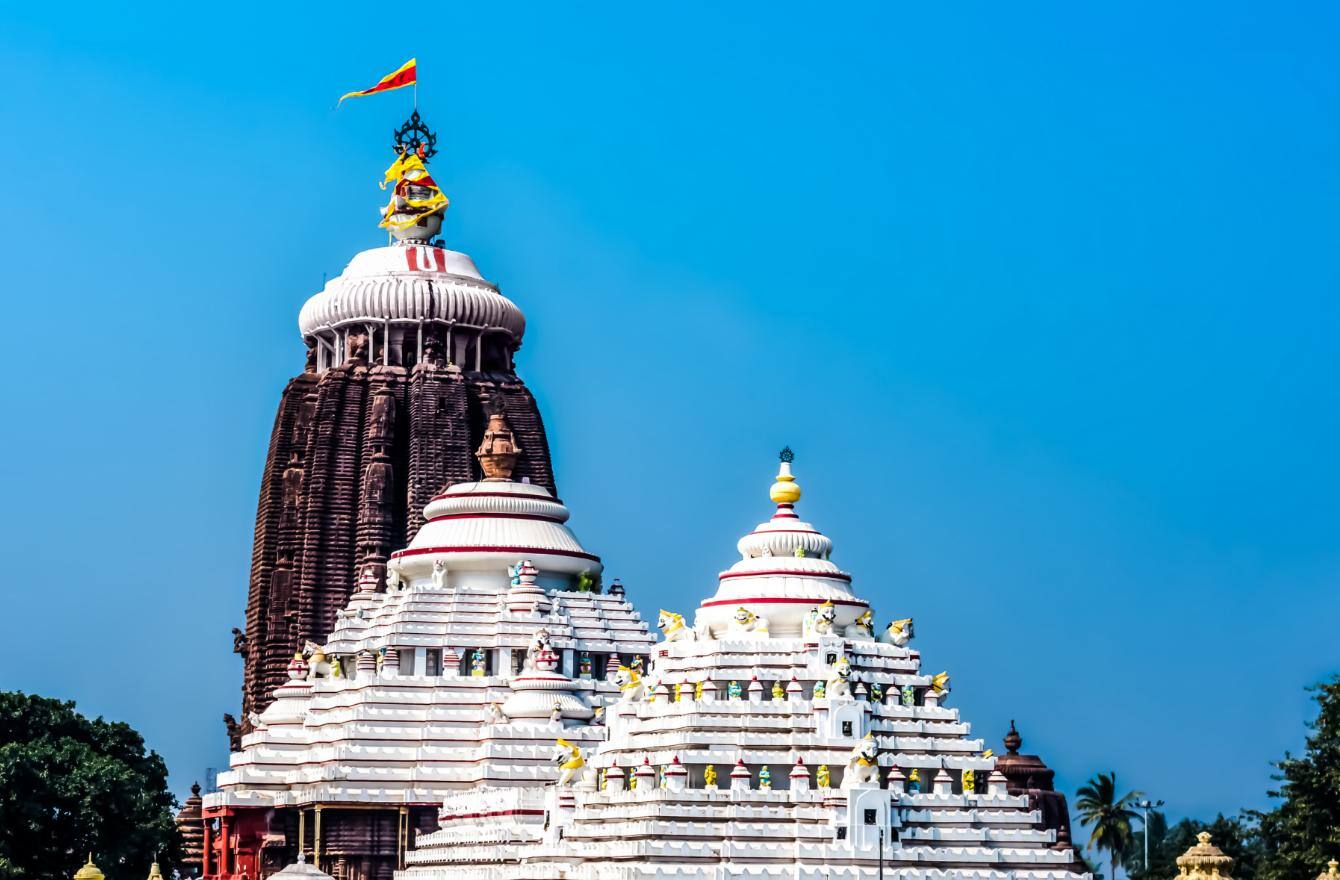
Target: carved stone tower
[(408, 350)]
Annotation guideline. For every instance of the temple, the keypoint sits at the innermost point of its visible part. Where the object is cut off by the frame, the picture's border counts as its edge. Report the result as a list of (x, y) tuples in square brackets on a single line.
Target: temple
[(441, 684), (781, 734), (408, 350), (490, 637)]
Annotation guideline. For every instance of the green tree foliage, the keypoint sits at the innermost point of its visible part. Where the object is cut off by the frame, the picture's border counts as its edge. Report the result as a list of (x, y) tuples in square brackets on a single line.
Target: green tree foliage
[(1235, 836), (1303, 832), (1110, 816), (70, 786)]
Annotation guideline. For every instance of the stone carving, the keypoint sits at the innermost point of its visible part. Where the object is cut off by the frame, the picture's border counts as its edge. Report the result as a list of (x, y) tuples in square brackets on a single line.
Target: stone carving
[(317, 664), (571, 762), (439, 573), (629, 681), (839, 681), (863, 627), (234, 732), (898, 633), (239, 642), (863, 763), (673, 627), (747, 623), (819, 621)]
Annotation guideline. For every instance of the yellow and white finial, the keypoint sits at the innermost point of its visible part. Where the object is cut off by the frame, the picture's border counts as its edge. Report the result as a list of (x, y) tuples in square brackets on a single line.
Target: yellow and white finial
[(785, 490)]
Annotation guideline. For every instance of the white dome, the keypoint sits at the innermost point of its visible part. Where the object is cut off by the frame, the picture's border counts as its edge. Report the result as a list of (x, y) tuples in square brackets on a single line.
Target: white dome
[(410, 282), (492, 523)]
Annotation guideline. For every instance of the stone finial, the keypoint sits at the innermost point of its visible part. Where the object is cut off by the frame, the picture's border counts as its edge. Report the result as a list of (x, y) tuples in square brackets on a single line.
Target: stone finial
[(1013, 741), (1204, 861), (498, 451), (89, 871)]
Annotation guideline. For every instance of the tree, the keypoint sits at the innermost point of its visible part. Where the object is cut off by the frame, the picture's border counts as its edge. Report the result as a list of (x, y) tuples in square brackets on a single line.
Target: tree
[(1237, 837), (1303, 832), (70, 786), (1110, 816)]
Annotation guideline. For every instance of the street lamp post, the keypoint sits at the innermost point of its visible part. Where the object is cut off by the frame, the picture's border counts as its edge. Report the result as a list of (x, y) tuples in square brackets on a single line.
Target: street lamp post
[(1145, 806)]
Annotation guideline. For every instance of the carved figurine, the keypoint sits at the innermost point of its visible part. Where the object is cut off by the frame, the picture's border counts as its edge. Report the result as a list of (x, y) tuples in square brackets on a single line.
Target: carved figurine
[(778, 692), (539, 646), (765, 778), (909, 695), (317, 664), (733, 691), (679, 691), (698, 691), (863, 764), (673, 627), (913, 781), (799, 553), (439, 573), (584, 665), (876, 692), (629, 681), (747, 623), (599, 718), (819, 621), (493, 714), (477, 665), (969, 782), (822, 779), (234, 733), (570, 760), (709, 776), (239, 642), (940, 682), (898, 633), (392, 579), (556, 713), (820, 692), (839, 682), (863, 627)]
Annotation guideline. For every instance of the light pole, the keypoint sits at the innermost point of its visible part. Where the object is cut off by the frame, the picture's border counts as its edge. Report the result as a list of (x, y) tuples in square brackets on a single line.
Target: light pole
[(1145, 806)]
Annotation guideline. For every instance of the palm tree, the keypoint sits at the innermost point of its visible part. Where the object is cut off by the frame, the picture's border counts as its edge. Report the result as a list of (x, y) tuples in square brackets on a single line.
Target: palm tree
[(1109, 815)]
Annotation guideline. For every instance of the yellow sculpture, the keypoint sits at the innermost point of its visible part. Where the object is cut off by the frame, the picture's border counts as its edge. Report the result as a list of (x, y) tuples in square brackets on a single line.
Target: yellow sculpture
[(1204, 861), (679, 691), (698, 691), (673, 627), (969, 782), (940, 682), (778, 692), (785, 490), (570, 761), (709, 776), (822, 779), (89, 871)]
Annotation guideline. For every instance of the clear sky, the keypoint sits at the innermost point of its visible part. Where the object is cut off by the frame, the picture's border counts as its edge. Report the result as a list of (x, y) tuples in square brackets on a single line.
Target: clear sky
[(1043, 295)]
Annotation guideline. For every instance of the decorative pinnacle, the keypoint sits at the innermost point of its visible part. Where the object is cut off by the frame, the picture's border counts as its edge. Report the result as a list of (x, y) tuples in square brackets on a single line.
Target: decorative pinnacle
[(785, 490)]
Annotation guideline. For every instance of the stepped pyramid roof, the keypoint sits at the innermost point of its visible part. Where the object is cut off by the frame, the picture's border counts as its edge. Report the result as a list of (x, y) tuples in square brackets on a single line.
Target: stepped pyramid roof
[(781, 735), (490, 639)]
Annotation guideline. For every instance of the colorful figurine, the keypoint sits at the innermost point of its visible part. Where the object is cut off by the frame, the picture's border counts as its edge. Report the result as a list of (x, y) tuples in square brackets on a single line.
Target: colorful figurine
[(709, 776), (969, 782), (765, 778), (822, 779), (876, 692), (733, 691), (914, 781), (477, 666), (698, 691), (778, 692), (819, 690), (584, 665), (909, 695)]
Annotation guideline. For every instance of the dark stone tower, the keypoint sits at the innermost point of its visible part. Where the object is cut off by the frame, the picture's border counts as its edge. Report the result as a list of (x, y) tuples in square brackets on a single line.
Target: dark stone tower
[(408, 349)]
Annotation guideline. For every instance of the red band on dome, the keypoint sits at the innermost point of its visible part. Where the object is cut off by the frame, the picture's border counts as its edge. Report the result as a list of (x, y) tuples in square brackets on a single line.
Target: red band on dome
[(839, 576), (777, 600), (537, 551), (535, 516)]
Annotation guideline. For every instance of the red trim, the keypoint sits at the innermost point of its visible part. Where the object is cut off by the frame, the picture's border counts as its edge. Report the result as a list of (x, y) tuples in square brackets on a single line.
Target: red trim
[(786, 532), (455, 818), (446, 495), (496, 549), (725, 575), (536, 516), (778, 601)]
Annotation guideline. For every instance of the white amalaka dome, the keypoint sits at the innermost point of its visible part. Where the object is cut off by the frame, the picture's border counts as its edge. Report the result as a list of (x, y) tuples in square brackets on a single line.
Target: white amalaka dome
[(392, 293), (788, 739)]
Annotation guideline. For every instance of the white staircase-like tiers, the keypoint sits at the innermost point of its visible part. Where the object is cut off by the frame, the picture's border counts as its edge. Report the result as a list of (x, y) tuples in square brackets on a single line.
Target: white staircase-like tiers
[(793, 680)]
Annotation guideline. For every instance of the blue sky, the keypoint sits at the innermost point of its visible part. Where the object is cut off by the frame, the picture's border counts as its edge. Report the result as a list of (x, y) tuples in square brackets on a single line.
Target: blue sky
[(1043, 295)]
